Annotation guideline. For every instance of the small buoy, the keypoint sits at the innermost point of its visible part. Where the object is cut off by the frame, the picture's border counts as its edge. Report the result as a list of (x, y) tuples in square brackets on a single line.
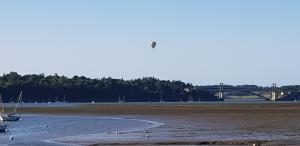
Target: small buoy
[(147, 135), (11, 138), (46, 126)]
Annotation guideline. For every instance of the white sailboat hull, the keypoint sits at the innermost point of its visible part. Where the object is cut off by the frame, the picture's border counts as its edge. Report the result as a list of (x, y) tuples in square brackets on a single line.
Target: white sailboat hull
[(9, 117)]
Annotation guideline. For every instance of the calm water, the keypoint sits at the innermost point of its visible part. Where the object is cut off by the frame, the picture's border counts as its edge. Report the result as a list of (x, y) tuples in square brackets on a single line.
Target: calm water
[(31, 130)]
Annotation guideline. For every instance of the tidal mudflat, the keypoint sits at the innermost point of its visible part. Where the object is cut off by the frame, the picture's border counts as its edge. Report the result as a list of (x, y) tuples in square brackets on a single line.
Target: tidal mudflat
[(181, 123)]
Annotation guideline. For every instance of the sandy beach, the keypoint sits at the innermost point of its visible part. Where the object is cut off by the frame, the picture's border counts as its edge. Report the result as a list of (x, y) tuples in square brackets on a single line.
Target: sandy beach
[(193, 124)]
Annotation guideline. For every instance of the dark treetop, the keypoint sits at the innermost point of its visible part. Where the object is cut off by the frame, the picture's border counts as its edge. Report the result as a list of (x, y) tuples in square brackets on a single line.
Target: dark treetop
[(39, 88)]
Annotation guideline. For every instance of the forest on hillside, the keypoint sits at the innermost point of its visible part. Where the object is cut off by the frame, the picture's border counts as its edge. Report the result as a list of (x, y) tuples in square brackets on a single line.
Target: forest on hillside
[(51, 88)]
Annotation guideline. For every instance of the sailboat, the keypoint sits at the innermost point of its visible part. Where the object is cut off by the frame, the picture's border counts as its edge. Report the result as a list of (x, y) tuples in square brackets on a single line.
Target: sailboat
[(12, 116)]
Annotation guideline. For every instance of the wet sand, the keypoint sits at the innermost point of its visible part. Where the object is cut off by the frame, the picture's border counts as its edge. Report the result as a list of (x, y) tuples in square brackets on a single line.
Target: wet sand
[(187, 124)]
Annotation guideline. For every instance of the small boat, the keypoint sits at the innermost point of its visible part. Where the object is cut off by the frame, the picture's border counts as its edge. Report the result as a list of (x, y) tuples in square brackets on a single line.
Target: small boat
[(93, 102), (3, 127), (12, 116)]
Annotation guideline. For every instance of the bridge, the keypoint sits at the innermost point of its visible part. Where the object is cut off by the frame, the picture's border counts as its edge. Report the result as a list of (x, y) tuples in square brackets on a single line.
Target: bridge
[(268, 93)]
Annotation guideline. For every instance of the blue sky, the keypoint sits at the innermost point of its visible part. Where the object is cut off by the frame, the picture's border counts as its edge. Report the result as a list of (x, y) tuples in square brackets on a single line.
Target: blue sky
[(199, 41)]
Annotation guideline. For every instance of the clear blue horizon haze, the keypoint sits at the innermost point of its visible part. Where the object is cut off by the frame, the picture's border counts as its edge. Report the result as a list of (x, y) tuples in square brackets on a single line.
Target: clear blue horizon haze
[(202, 42)]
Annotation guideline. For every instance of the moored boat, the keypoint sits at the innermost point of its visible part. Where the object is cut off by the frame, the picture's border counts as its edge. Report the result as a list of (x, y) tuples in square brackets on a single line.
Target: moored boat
[(12, 116)]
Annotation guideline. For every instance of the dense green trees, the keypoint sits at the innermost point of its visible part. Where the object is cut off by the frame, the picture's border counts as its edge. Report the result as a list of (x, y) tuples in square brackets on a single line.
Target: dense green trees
[(292, 88), (293, 92), (39, 88)]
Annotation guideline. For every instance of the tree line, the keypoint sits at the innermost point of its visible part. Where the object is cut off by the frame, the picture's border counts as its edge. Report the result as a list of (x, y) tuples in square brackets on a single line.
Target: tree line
[(51, 88)]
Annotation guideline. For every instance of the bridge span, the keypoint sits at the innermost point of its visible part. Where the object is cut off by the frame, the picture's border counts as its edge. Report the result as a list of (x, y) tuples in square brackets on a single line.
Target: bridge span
[(271, 94)]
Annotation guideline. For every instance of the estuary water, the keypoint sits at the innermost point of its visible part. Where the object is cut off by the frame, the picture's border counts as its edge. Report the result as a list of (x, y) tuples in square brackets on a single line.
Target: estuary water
[(42, 129)]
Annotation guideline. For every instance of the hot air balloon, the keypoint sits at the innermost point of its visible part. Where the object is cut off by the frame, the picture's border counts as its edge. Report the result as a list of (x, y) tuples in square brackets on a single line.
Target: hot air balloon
[(153, 44)]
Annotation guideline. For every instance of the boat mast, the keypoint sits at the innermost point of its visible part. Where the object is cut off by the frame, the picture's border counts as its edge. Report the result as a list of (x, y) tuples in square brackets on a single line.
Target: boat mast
[(21, 104), (2, 107), (20, 97), (64, 100)]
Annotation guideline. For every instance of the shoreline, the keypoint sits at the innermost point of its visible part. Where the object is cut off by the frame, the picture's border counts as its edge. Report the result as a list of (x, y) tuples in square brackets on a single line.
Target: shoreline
[(214, 143), (108, 138)]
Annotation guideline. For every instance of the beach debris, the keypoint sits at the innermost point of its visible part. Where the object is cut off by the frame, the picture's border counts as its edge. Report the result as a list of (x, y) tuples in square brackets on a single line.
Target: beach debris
[(11, 138), (153, 45)]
